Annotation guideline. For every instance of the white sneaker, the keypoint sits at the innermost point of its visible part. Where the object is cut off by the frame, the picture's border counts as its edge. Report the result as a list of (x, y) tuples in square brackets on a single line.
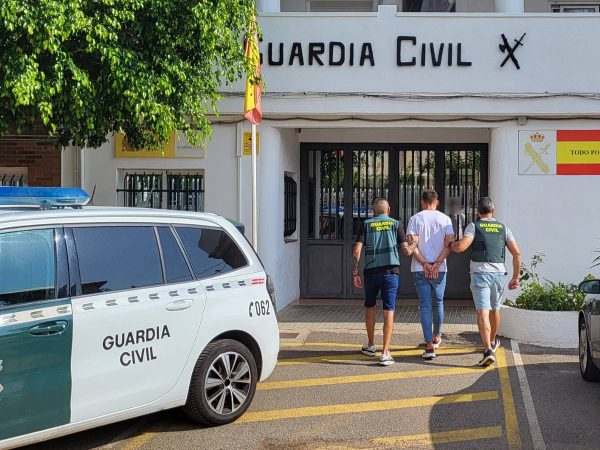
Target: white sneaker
[(386, 360), (369, 350), (495, 345)]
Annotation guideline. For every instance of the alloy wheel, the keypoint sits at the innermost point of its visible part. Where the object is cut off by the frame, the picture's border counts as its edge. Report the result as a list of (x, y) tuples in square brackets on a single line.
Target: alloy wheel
[(227, 383)]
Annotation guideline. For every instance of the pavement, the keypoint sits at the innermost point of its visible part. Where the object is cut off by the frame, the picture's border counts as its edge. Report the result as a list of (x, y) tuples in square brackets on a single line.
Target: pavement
[(324, 394)]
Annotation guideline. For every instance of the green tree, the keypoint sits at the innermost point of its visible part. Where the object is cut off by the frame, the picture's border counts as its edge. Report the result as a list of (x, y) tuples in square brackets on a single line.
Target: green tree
[(86, 68)]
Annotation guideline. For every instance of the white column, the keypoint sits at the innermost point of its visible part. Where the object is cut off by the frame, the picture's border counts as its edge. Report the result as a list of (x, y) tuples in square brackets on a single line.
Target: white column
[(510, 6), (268, 6)]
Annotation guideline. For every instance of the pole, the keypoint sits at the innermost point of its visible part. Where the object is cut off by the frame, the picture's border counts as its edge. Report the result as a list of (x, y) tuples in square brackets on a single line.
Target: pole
[(254, 199)]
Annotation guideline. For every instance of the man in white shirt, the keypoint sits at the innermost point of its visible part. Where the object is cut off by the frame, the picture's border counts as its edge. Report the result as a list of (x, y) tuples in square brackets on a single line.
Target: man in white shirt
[(489, 239), (430, 231)]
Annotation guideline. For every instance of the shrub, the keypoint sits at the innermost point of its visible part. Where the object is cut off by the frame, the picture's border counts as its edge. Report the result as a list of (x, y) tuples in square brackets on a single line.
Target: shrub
[(547, 295)]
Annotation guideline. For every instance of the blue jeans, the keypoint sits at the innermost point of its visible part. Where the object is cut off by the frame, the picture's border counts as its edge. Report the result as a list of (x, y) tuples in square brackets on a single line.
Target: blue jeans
[(385, 282), (431, 298)]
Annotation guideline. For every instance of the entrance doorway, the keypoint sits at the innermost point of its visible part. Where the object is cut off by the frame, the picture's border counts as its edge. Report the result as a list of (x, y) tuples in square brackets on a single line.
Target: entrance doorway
[(339, 183)]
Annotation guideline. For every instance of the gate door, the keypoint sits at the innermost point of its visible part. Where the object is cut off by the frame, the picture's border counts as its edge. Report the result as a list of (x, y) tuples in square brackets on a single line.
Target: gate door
[(330, 220)]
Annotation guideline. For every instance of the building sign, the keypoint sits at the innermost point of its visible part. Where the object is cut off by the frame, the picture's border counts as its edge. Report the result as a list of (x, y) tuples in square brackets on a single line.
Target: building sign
[(177, 147), (124, 150), (247, 147), (562, 152)]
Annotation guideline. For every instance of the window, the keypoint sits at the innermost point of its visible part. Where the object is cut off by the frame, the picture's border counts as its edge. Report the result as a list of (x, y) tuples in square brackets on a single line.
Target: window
[(28, 267), (176, 268), (289, 203), (113, 258), (576, 8), (184, 191), (211, 251)]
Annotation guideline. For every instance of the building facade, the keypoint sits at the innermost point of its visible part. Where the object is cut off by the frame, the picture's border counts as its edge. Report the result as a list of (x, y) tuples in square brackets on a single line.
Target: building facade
[(363, 100)]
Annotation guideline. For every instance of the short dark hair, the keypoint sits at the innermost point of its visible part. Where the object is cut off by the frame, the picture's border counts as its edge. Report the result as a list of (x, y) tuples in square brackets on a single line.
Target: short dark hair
[(380, 205), (429, 196), (485, 205)]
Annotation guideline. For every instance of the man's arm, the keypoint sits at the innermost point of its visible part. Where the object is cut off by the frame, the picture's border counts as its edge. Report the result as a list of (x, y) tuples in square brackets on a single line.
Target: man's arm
[(442, 256), (411, 246), (356, 257), (514, 250), (461, 245)]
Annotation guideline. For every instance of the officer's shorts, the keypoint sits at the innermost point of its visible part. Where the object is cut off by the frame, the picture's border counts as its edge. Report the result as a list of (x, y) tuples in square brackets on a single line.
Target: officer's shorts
[(487, 289), (384, 282)]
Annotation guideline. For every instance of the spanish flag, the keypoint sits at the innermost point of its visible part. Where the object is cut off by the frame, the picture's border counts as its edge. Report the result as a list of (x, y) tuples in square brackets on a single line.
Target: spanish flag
[(578, 152), (252, 101)]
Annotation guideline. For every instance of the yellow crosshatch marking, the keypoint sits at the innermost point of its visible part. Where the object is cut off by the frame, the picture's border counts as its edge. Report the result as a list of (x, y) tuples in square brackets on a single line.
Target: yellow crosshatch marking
[(444, 437), (352, 408), (310, 382)]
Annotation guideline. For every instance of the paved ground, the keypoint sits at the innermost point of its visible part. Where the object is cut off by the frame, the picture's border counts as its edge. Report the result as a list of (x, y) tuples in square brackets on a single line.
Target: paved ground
[(325, 395)]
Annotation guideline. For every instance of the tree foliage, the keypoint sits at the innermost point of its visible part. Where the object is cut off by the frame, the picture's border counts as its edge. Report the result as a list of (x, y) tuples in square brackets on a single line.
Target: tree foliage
[(85, 68)]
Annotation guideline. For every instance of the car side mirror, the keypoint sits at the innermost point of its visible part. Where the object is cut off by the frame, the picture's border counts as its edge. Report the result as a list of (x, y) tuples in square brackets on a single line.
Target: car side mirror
[(590, 287)]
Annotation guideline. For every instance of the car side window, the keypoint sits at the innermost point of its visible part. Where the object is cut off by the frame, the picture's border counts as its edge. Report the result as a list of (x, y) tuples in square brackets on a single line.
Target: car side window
[(211, 251), (176, 268), (113, 258), (27, 262)]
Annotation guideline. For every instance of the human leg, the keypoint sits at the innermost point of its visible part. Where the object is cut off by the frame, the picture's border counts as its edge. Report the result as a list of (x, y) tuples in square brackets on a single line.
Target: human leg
[(389, 291), (424, 292), (438, 304), (371, 290)]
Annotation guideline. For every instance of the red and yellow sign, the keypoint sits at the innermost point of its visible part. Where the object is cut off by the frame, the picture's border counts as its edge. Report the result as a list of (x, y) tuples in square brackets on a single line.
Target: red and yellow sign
[(578, 152)]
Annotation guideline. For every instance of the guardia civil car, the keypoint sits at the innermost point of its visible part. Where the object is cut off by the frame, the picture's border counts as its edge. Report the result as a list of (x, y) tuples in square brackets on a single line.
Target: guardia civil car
[(111, 313)]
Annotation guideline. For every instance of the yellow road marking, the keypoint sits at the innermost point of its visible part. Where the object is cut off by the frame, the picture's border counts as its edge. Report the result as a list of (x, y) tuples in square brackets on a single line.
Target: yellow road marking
[(513, 435), (360, 357), (352, 408), (142, 439), (445, 437), (382, 376), (334, 344)]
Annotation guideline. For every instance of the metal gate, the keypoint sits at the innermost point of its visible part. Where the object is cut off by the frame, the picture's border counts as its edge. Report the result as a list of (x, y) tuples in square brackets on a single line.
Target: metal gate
[(339, 183)]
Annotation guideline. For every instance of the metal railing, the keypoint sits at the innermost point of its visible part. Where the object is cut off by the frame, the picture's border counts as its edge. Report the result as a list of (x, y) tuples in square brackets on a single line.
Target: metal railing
[(183, 191)]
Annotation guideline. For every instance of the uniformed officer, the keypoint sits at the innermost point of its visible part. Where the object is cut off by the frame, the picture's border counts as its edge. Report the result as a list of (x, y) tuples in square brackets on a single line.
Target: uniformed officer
[(381, 237), (489, 240)]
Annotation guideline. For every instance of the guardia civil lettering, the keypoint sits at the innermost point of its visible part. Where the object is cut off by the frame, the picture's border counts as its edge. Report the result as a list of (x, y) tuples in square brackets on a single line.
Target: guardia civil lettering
[(410, 52)]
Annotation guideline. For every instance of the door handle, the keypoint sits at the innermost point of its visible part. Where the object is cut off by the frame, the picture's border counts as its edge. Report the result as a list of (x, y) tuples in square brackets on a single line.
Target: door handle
[(179, 305), (49, 328)]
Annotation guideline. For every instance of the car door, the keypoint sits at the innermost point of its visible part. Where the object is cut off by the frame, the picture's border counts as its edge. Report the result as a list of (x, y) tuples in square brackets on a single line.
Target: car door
[(35, 332), (595, 321), (135, 319)]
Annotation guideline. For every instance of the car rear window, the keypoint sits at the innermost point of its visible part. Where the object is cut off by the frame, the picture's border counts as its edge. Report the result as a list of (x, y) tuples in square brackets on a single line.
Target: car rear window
[(28, 268), (113, 258), (176, 268), (211, 251)]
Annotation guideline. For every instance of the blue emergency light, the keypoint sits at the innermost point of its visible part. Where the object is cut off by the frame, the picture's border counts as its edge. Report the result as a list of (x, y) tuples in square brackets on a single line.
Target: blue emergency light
[(43, 196)]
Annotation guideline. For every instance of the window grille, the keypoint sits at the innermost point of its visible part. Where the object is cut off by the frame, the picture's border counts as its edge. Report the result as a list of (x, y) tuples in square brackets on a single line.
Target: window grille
[(290, 213)]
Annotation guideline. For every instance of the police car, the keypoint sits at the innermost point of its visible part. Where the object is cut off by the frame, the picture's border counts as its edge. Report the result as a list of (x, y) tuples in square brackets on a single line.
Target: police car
[(111, 313)]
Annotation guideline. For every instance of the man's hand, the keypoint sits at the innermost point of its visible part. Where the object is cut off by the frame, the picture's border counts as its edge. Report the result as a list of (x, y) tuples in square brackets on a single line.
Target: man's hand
[(514, 284), (358, 282), (435, 272)]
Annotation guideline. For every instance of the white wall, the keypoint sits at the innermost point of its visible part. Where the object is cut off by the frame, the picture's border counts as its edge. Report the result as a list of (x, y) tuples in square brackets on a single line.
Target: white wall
[(280, 153), (102, 169), (556, 215)]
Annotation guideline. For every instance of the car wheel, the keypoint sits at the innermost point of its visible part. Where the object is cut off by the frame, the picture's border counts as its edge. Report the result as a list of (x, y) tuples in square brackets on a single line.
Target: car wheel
[(223, 383), (588, 369)]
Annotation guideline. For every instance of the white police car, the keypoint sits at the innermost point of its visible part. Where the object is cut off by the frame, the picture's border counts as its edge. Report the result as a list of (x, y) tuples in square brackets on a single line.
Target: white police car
[(112, 313)]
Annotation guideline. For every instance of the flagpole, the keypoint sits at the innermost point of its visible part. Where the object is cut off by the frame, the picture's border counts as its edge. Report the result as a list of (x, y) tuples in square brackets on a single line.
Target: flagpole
[(254, 197)]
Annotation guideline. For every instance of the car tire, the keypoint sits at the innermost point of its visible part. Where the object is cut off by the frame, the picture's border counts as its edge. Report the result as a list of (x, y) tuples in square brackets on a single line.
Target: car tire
[(223, 383), (588, 369)]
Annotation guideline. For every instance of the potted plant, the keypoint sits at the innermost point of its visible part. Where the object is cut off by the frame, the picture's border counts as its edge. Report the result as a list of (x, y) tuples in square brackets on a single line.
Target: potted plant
[(544, 313)]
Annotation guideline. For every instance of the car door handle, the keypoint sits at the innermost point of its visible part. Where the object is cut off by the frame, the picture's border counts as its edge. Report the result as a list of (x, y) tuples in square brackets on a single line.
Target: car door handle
[(179, 305), (49, 328)]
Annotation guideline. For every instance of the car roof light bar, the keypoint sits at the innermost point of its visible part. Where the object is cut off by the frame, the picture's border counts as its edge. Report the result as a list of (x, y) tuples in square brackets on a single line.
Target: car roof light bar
[(44, 197)]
